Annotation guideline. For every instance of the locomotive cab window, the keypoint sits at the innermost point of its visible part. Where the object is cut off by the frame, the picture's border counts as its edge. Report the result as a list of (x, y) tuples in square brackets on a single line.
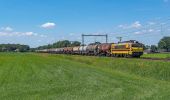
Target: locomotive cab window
[(137, 45)]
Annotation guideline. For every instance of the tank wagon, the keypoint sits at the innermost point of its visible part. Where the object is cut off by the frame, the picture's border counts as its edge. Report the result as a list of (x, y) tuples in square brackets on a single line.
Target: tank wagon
[(92, 50), (59, 50), (83, 50), (130, 48), (76, 50), (42, 51), (104, 49), (68, 50)]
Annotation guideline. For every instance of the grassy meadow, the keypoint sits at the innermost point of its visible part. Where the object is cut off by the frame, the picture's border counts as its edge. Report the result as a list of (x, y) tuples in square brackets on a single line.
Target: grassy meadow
[(31, 76), (157, 55)]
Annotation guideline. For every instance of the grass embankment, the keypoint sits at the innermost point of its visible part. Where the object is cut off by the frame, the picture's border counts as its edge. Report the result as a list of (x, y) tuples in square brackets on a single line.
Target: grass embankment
[(43, 76), (157, 55)]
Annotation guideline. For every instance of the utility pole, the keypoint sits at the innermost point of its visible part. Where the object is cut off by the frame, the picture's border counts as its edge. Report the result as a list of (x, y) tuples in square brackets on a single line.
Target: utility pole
[(83, 39), (120, 39)]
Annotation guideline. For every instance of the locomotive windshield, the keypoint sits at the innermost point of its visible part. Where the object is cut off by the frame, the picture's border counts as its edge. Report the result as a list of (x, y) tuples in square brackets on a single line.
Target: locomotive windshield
[(137, 45)]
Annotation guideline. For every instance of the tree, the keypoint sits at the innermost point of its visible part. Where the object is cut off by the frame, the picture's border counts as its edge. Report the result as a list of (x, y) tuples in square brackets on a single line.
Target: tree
[(164, 43), (59, 44), (76, 43), (14, 47), (23, 48), (146, 47), (95, 43), (154, 48)]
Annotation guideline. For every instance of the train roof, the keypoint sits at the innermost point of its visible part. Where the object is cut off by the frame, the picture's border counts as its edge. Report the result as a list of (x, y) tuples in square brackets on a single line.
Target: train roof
[(130, 41)]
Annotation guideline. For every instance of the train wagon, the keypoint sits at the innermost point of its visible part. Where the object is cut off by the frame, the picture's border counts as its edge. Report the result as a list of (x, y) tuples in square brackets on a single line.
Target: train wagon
[(76, 50), (65, 50), (42, 51), (92, 50), (83, 50), (59, 50), (127, 49), (104, 49), (51, 50), (130, 48), (68, 50)]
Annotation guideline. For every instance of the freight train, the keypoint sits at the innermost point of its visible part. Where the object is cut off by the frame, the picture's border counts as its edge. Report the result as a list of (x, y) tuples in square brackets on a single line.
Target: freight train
[(130, 48)]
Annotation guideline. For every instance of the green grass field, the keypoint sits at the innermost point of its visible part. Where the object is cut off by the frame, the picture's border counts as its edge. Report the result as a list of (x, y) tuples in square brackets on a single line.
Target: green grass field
[(30, 76), (157, 55)]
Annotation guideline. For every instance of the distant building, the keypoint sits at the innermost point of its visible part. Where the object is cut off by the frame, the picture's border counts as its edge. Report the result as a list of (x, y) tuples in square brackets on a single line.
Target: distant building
[(147, 51)]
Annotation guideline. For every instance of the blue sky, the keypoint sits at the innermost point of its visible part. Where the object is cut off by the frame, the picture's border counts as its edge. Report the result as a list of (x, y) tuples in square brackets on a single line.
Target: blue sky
[(39, 22)]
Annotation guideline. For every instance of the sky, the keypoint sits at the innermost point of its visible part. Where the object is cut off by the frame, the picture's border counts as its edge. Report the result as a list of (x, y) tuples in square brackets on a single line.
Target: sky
[(41, 22)]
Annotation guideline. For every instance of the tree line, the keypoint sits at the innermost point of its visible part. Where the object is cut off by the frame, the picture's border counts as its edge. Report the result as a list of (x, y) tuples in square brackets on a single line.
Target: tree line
[(60, 44), (163, 46), (26, 48), (14, 48)]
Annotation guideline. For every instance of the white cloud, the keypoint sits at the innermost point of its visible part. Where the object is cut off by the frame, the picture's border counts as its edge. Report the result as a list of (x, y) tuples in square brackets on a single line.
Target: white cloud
[(158, 30), (163, 23), (43, 36), (138, 32), (166, 1), (39, 40), (124, 26), (71, 34), (151, 23), (48, 25), (121, 26), (6, 29), (63, 38), (146, 31), (29, 34), (150, 30), (18, 34), (136, 24)]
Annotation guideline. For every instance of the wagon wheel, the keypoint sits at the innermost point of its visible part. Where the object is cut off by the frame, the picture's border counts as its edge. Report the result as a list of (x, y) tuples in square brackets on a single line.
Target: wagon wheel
[(126, 56), (98, 52), (108, 54)]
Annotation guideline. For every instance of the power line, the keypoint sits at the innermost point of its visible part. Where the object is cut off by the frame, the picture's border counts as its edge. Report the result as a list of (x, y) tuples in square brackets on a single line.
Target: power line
[(84, 35), (158, 25), (120, 39)]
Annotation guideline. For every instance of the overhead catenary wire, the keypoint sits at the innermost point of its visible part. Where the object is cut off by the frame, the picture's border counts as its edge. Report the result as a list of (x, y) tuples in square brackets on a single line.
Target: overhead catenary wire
[(158, 25)]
